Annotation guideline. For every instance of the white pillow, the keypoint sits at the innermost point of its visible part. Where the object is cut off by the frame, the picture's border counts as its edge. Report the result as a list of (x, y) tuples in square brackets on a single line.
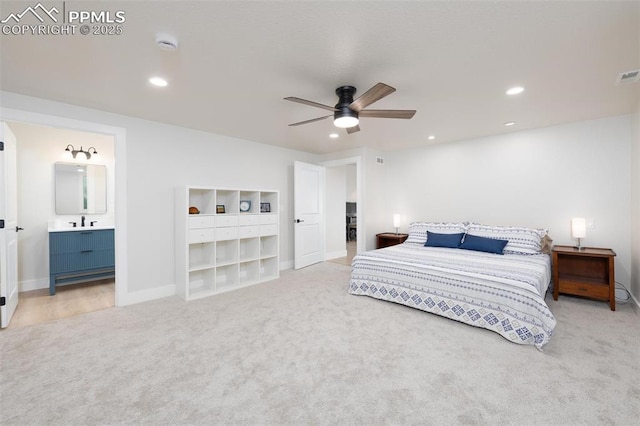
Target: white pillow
[(521, 240), (418, 230)]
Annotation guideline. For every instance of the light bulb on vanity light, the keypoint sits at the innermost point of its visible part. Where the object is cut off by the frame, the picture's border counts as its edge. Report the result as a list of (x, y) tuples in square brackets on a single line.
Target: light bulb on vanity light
[(578, 230)]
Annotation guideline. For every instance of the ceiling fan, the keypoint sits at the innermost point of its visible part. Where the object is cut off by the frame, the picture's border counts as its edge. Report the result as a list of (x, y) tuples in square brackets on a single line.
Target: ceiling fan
[(347, 112)]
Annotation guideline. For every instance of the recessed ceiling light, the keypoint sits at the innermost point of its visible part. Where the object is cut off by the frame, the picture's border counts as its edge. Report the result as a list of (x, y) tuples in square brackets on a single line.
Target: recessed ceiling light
[(158, 81), (431, 137), (334, 135), (509, 123), (515, 90)]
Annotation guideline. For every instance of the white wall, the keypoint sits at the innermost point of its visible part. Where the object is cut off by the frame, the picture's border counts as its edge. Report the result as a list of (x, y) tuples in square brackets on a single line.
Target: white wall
[(160, 157), (635, 206), (352, 192), (539, 178), (38, 149), (336, 211)]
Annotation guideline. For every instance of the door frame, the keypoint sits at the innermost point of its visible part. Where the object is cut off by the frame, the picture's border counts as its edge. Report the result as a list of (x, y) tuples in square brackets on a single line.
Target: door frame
[(120, 172), (361, 233)]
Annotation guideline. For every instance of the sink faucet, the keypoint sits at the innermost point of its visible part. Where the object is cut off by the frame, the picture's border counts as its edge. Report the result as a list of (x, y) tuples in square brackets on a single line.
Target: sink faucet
[(82, 221)]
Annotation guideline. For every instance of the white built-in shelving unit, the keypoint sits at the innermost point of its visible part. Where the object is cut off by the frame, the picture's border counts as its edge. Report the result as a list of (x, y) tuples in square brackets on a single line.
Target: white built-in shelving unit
[(217, 252)]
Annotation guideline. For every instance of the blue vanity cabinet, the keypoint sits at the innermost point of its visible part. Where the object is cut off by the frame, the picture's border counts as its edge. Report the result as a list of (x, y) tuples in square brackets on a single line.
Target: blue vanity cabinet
[(82, 255)]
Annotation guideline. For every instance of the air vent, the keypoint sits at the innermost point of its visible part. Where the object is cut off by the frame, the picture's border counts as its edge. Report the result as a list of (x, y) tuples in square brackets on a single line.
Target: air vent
[(379, 160), (628, 77)]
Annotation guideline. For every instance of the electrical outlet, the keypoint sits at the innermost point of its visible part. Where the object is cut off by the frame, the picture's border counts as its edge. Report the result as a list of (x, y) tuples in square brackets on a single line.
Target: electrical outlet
[(591, 223)]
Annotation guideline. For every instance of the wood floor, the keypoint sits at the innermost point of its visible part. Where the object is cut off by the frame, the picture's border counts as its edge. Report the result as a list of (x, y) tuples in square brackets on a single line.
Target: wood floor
[(351, 252), (37, 306)]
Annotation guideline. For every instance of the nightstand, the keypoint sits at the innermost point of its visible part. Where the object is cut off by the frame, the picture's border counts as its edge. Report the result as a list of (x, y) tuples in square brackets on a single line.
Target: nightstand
[(388, 239), (588, 272)]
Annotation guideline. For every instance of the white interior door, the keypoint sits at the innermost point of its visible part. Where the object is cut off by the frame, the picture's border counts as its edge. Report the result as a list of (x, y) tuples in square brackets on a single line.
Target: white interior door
[(308, 229), (8, 226)]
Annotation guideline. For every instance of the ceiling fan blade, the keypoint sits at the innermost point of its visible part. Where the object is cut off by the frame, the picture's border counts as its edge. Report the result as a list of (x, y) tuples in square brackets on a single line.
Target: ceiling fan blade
[(310, 121), (387, 113), (310, 103), (372, 95), (353, 129)]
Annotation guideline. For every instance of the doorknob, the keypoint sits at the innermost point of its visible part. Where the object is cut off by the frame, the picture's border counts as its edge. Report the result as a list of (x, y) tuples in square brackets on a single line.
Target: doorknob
[(19, 229), (299, 220)]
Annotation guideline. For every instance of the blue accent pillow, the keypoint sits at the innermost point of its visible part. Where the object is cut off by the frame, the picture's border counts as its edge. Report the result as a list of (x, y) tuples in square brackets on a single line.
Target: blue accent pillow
[(443, 240), (488, 245)]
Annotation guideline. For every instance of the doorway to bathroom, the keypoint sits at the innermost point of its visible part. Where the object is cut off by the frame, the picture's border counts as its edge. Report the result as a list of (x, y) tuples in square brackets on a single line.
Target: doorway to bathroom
[(39, 148)]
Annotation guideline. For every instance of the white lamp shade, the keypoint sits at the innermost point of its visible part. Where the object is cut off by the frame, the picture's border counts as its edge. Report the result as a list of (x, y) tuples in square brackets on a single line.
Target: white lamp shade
[(396, 221), (578, 227)]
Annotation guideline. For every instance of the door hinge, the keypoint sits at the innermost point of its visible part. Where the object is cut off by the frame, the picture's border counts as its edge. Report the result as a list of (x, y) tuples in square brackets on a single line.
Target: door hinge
[(1, 223), (3, 301)]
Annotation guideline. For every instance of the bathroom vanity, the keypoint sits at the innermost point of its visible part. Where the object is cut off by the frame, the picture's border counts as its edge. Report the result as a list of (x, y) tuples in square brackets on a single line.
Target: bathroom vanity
[(80, 254)]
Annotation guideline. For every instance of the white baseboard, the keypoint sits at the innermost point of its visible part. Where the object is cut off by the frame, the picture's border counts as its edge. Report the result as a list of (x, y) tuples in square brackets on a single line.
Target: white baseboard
[(635, 304), (287, 264), (31, 285), (147, 295)]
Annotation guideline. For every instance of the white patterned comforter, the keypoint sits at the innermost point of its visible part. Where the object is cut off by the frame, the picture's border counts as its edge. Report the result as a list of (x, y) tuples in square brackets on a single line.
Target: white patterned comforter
[(502, 293)]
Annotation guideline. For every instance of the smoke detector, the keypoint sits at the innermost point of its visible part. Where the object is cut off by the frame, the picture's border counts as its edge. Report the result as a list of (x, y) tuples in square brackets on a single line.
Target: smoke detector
[(628, 77), (166, 41)]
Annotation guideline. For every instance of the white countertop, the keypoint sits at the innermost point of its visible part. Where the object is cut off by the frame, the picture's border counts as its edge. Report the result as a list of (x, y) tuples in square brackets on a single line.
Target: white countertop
[(80, 228)]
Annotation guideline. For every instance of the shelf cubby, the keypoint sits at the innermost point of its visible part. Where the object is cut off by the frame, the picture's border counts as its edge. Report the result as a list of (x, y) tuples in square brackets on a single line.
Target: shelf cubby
[(202, 282), (272, 199), (268, 268), (226, 276), (248, 272), (226, 252), (253, 197), (202, 256), (203, 199), (230, 199), (249, 249), (268, 246)]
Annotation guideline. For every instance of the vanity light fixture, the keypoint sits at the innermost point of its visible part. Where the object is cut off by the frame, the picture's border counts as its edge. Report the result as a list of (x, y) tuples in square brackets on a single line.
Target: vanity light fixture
[(88, 153)]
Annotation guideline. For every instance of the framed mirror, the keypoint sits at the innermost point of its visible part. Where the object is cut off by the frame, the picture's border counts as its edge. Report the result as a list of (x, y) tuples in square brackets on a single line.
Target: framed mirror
[(80, 188)]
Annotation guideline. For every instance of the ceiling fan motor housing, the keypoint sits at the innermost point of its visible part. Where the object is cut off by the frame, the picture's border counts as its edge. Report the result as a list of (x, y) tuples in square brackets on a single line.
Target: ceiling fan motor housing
[(345, 98)]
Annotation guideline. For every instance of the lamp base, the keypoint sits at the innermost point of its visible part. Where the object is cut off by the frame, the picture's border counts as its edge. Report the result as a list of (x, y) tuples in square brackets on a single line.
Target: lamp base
[(397, 229), (578, 247)]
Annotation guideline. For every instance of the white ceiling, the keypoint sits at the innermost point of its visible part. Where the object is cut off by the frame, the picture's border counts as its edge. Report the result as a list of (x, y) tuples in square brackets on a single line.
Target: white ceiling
[(237, 60)]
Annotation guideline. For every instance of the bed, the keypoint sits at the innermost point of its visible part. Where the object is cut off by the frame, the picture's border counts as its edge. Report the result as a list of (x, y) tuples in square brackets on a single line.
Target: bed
[(502, 291)]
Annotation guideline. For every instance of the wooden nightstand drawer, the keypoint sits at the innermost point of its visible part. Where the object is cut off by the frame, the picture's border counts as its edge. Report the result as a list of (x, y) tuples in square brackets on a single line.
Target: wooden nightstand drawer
[(583, 289)]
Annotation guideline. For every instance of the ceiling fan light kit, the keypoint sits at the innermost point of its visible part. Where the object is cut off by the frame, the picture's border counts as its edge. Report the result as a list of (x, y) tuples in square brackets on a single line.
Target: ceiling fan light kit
[(347, 112)]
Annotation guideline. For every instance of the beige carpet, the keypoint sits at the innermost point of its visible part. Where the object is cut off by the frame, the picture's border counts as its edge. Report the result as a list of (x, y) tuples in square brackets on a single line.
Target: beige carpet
[(301, 350)]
